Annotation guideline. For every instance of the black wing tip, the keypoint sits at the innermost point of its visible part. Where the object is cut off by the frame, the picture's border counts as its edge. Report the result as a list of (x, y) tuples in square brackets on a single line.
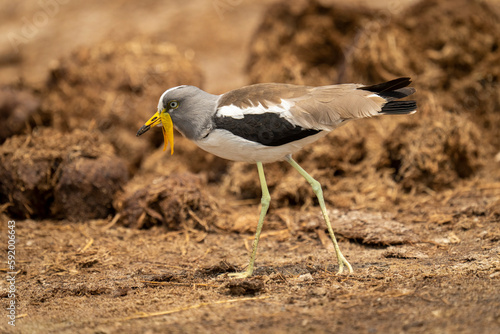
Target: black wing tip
[(399, 108), (392, 90), (388, 86)]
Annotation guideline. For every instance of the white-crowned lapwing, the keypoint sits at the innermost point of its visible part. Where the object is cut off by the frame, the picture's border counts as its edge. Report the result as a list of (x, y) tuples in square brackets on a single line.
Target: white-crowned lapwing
[(270, 122)]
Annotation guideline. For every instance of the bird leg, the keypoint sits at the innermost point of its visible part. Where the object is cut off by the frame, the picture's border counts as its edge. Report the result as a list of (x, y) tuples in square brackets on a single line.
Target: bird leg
[(316, 186), (266, 199)]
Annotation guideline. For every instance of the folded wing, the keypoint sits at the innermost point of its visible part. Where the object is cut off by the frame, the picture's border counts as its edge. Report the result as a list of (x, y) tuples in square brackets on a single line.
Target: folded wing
[(326, 107)]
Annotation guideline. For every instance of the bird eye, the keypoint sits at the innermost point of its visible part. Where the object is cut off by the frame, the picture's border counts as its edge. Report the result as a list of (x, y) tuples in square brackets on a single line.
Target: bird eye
[(173, 104)]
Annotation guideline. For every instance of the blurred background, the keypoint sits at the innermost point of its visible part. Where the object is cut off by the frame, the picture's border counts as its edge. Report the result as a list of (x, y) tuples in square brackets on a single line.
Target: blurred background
[(100, 67), (214, 34), (78, 79)]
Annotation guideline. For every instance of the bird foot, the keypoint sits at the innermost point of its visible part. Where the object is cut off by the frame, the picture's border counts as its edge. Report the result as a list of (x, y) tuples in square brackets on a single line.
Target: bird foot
[(244, 274), (343, 261)]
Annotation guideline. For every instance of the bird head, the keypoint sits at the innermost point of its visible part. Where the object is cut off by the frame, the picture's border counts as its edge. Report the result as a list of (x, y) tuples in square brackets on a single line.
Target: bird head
[(186, 107)]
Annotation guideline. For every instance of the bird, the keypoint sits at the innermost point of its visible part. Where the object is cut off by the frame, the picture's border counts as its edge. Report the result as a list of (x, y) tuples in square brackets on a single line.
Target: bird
[(267, 122)]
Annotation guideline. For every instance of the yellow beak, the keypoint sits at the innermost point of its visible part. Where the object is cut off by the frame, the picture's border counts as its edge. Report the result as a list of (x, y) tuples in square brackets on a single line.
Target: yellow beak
[(167, 128)]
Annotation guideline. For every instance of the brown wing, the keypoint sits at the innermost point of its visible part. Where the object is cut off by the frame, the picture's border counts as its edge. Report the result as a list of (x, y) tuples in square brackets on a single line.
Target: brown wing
[(326, 107)]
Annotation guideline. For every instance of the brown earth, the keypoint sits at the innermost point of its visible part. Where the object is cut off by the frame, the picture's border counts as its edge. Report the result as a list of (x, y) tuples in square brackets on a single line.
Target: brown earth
[(115, 235)]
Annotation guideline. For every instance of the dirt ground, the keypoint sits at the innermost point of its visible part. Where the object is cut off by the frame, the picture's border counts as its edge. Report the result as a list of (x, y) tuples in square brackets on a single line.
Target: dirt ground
[(115, 235)]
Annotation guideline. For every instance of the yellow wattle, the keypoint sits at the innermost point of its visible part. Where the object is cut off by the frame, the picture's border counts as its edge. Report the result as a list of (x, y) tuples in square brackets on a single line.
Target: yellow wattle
[(168, 131)]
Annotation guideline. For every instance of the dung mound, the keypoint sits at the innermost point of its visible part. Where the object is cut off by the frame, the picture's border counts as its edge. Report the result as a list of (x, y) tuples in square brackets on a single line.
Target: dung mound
[(450, 49), (436, 42), (478, 95), (303, 42), (114, 87), (172, 201), (19, 110), (434, 152), (242, 179), (49, 174)]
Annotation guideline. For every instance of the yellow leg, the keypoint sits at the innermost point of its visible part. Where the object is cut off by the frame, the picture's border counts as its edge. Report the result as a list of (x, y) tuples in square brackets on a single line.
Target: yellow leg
[(266, 199), (316, 186)]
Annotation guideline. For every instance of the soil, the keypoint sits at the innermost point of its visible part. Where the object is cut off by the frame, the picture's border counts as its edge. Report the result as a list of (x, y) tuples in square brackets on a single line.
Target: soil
[(115, 235)]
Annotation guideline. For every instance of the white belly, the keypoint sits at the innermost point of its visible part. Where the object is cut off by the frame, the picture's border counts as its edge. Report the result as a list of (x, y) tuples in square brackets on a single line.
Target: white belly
[(224, 144)]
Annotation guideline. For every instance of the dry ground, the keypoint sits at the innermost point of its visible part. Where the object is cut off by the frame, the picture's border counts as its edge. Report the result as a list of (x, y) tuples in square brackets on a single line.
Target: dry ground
[(93, 278), (426, 253)]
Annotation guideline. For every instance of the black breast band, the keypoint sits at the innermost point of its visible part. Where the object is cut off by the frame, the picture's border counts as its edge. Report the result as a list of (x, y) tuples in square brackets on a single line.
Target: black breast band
[(268, 129)]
